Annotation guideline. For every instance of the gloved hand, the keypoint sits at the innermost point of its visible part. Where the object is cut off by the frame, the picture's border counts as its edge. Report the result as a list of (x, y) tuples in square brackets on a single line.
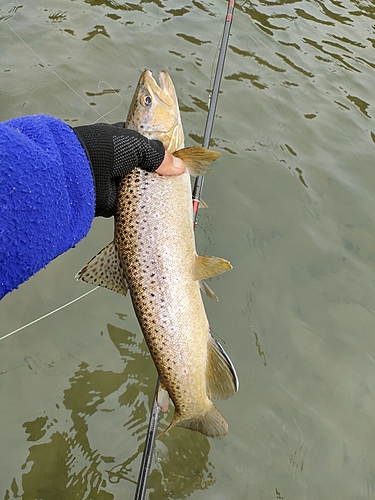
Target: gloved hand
[(113, 152)]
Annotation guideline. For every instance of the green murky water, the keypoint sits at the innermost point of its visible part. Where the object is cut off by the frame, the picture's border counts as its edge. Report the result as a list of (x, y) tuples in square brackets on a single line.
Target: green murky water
[(292, 205)]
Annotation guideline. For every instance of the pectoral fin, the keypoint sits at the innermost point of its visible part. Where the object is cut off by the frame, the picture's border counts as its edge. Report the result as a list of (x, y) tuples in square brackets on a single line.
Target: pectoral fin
[(196, 159), (105, 269), (208, 267), (221, 377)]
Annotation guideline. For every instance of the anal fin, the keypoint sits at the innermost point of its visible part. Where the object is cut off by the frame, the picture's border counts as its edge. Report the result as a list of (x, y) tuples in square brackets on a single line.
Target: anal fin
[(105, 270)]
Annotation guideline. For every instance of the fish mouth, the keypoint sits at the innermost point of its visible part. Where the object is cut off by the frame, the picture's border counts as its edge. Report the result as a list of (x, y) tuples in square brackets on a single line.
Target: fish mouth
[(163, 90)]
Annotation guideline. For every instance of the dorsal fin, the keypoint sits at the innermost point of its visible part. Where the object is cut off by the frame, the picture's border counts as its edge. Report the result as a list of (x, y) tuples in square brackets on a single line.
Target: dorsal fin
[(105, 269), (221, 377), (208, 267)]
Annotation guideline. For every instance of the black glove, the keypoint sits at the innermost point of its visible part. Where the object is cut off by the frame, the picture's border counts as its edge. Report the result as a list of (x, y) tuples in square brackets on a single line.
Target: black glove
[(113, 152)]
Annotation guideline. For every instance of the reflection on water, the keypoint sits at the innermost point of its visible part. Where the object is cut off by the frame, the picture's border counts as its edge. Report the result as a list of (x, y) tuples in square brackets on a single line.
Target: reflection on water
[(76, 462)]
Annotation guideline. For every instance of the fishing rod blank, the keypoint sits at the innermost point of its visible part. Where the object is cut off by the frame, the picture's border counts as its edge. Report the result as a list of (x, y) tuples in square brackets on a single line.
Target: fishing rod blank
[(144, 470), (198, 185), (197, 190)]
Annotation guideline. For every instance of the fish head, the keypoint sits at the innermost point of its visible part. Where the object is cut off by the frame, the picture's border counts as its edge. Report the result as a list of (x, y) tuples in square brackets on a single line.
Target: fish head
[(154, 111)]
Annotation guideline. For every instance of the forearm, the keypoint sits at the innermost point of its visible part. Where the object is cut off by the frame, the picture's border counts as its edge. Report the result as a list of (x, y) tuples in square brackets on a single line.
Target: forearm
[(47, 196)]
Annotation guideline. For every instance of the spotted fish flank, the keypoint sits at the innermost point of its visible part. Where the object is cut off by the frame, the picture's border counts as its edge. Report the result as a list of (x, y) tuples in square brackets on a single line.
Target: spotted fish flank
[(153, 254)]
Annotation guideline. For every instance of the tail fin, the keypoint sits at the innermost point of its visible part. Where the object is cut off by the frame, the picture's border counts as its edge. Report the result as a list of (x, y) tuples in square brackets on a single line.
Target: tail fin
[(196, 159), (212, 424)]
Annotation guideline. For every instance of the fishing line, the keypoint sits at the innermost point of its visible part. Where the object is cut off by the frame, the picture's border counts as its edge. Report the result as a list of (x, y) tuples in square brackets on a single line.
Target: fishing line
[(213, 68), (48, 314), (46, 65), (114, 91), (197, 190)]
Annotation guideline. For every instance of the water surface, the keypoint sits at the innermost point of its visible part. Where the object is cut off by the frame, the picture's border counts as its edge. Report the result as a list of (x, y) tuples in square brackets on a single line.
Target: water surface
[(292, 206)]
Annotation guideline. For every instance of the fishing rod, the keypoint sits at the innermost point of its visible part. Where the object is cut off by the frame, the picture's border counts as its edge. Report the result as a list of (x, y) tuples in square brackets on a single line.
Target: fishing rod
[(145, 467), (213, 98)]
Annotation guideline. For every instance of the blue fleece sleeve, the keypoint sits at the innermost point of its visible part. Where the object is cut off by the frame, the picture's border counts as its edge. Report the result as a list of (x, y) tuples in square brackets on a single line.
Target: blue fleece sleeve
[(47, 195)]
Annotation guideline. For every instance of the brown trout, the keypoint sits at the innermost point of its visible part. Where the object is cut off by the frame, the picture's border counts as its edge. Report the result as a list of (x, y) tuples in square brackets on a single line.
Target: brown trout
[(153, 255)]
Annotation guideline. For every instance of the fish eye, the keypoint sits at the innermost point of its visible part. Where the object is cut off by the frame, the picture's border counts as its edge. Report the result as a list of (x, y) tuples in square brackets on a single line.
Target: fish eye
[(146, 100)]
